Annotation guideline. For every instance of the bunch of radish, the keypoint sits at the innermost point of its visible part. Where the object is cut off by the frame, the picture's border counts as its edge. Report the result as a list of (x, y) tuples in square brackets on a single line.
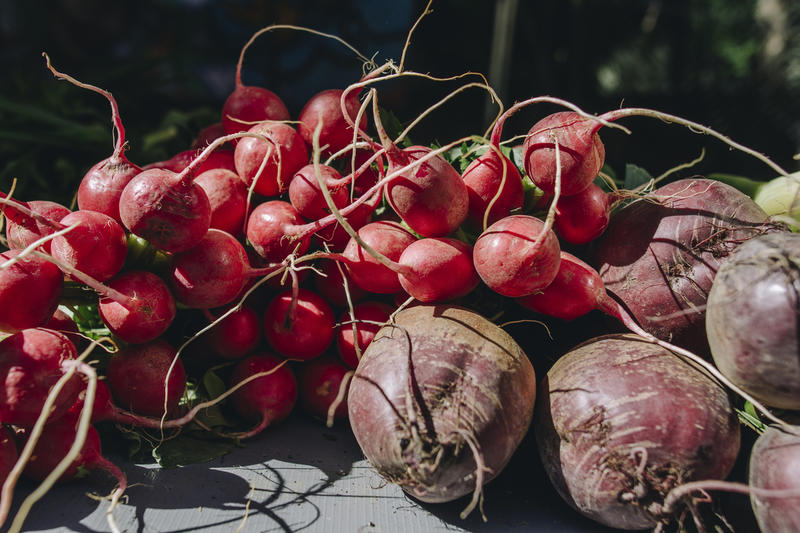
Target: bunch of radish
[(324, 263)]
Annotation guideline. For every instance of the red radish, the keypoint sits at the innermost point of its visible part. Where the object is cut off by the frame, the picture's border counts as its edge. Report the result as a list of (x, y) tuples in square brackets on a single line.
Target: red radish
[(248, 104), (336, 132), (576, 290), (102, 185), (63, 323), (53, 446), (31, 362), (659, 255), (335, 237), (440, 401), (483, 178), (431, 196), (752, 316), (267, 399), (30, 290), (582, 152), (621, 422), (8, 452), (305, 194), (354, 333), (212, 273), (208, 135), (388, 239), (96, 247), (583, 217), (287, 154), (227, 196), (167, 209), (268, 227), (437, 269), (147, 378), (320, 381), (137, 306), (23, 229), (236, 335), (300, 327), (514, 258), (775, 465), (331, 284), (218, 159)]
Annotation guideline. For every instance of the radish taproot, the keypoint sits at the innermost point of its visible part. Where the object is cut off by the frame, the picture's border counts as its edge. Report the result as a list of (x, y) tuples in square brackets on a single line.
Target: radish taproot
[(101, 187), (31, 362), (36, 220), (517, 255), (355, 331), (440, 401), (484, 177), (659, 254), (299, 326), (326, 107), (320, 382), (620, 422), (227, 197), (268, 398), (30, 291), (752, 318), (285, 151)]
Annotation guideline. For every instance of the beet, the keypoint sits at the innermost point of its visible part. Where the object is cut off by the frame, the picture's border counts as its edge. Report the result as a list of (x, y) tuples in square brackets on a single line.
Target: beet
[(775, 465), (659, 255), (753, 316), (440, 401), (620, 422)]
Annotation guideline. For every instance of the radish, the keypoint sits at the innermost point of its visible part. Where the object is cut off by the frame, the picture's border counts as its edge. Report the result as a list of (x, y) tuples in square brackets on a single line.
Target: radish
[(326, 106), (483, 178), (286, 153), (53, 446), (31, 362), (659, 255), (96, 245), (621, 422), (227, 196), (752, 318), (213, 272), (355, 332), (237, 334), (208, 135), (168, 209), (775, 466), (582, 151), (24, 229), (269, 227), (136, 306), (515, 258), (320, 382), (266, 399), (101, 187), (437, 269), (388, 239), (431, 196), (440, 401), (299, 326), (30, 290), (306, 196), (147, 378), (584, 216)]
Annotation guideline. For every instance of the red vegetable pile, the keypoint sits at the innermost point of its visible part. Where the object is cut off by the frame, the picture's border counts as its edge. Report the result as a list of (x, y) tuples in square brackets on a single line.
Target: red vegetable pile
[(323, 263)]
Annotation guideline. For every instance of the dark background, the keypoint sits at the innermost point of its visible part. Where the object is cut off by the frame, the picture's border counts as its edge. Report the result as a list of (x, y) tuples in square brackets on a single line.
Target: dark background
[(734, 66)]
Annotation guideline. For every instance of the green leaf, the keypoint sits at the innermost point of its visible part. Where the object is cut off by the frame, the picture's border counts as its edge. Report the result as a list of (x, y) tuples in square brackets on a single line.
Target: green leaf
[(213, 384), (186, 450), (635, 176)]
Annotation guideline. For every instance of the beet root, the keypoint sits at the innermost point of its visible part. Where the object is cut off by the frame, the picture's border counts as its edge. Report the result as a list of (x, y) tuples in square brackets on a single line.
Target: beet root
[(753, 318), (659, 255), (620, 422), (440, 401), (775, 465)]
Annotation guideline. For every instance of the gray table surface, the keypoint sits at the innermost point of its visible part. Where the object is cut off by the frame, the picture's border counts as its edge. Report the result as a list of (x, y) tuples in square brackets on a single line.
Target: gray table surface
[(298, 476)]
